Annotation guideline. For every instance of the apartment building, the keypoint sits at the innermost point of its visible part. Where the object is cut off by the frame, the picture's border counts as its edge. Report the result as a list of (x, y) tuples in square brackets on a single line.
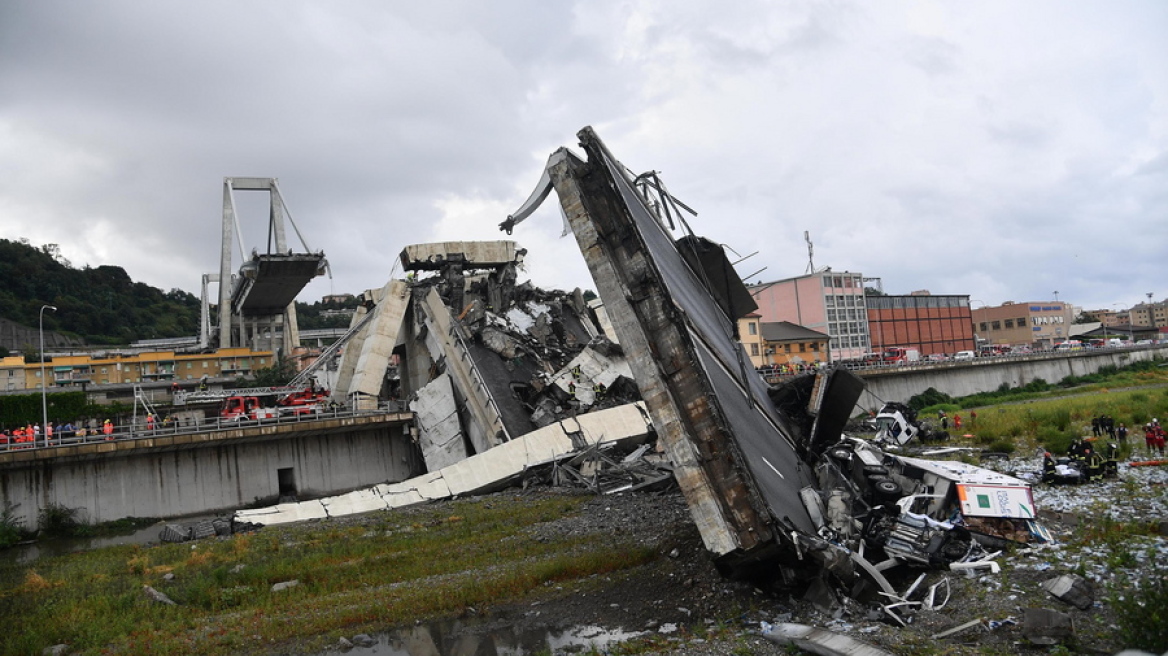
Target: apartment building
[(1039, 324), (118, 368), (831, 303)]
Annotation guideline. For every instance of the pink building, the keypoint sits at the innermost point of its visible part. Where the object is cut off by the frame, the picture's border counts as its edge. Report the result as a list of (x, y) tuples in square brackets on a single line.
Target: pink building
[(830, 302)]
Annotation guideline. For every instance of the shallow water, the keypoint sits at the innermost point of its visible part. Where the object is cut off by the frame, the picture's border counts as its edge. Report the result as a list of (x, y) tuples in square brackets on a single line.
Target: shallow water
[(25, 554)]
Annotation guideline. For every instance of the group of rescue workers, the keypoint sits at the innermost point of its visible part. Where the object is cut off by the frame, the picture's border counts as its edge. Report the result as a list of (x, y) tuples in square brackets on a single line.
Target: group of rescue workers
[(1084, 463), (1088, 460), (30, 435)]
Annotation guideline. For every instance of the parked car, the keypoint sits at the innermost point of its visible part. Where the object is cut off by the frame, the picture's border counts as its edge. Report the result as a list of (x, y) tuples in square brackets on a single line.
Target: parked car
[(937, 357), (1144, 342), (963, 355)]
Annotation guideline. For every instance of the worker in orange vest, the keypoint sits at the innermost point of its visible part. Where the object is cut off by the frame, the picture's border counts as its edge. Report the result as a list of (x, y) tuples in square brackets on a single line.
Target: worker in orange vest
[(107, 427)]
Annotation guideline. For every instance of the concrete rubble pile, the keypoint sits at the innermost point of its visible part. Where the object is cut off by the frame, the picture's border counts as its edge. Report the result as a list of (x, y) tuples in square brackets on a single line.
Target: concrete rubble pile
[(502, 378), (510, 384), (480, 359)]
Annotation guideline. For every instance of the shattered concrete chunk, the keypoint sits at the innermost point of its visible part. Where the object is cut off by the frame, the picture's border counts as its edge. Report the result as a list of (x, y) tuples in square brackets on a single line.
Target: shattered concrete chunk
[(285, 585), (1072, 589), (154, 595), (1043, 626)]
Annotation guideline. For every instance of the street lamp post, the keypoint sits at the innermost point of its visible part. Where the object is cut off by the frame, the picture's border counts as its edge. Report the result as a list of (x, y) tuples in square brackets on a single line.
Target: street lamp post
[(44, 381)]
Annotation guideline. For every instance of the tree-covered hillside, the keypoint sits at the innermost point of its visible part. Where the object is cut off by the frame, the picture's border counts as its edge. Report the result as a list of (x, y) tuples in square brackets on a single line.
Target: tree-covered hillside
[(101, 305)]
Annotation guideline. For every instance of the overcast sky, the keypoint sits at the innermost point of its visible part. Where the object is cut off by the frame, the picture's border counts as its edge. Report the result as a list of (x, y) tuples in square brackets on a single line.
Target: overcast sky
[(1003, 150)]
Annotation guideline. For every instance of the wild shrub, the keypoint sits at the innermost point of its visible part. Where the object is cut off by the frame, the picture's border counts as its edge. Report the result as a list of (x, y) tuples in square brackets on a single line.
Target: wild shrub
[(1003, 446), (1143, 612), (928, 398), (11, 527), (60, 522)]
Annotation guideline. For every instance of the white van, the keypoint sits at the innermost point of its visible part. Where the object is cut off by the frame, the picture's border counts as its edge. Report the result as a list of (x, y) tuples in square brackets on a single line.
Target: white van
[(963, 355)]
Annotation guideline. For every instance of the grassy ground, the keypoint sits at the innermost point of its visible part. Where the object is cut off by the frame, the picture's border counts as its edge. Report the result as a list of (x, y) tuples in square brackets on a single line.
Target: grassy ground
[(1051, 419), (390, 569), (386, 569)]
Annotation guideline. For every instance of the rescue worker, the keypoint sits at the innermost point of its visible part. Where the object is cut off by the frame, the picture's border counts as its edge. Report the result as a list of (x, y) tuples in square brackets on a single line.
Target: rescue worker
[(107, 427), (598, 391), (1048, 470)]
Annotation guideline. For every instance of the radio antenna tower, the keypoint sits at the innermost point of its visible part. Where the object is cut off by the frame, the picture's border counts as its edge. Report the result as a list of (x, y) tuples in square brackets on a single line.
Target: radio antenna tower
[(810, 252)]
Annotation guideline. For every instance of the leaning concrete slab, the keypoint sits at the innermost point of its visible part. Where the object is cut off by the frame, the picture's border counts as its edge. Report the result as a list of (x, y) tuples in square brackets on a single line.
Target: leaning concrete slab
[(381, 336), (734, 456), (439, 432), (446, 342), (485, 472)]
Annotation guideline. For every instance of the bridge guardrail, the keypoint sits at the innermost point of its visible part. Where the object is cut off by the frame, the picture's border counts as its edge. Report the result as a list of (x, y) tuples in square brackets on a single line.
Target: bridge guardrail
[(217, 424), (921, 365)]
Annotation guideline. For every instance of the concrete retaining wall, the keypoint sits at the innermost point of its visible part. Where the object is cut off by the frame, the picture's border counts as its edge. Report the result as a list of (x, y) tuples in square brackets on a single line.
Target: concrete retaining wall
[(221, 475), (965, 378)]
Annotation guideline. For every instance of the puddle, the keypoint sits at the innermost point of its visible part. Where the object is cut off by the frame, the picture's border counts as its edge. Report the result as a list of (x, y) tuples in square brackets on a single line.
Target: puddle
[(25, 554), (476, 638)]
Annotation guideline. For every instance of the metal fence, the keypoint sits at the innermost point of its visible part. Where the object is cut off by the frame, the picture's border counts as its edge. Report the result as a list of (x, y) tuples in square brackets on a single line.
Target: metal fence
[(212, 425)]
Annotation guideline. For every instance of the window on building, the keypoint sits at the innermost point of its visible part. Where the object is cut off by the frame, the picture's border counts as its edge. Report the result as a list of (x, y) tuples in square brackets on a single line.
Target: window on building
[(752, 328), (984, 326), (1021, 321), (802, 347), (754, 349), (814, 346), (1009, 323), (996, 325), (188, 365), (786, 348), (837, 282), (831, 315)]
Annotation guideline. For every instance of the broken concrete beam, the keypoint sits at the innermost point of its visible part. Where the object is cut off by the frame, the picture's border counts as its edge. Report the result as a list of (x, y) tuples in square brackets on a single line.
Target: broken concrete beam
[(469, 254), (487, 471), (1074, 590), (818, 641), (283, 513), (1043, 626)]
